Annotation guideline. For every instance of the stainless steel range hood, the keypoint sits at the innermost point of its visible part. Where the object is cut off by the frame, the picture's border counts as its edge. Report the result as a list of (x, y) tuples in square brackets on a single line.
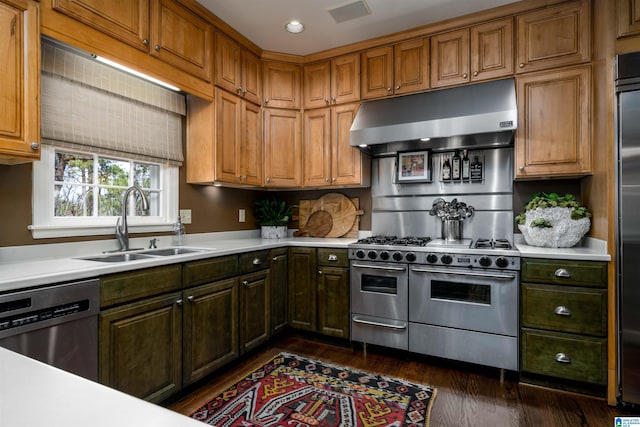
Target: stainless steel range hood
[(478, 115)]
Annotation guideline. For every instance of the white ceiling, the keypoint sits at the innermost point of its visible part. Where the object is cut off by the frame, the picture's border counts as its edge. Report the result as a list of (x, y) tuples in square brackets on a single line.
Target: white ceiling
[(263, 21)]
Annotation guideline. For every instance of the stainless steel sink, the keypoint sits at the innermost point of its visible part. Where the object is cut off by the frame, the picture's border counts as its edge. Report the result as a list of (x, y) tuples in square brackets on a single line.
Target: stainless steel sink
[(121, 257), (171, 251)]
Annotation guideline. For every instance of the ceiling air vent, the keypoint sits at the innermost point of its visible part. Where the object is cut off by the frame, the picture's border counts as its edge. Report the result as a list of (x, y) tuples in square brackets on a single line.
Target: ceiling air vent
[(350, 11)]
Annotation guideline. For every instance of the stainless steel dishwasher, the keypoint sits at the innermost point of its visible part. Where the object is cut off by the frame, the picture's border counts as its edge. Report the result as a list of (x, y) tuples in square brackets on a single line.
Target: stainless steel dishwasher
[(56, 324)]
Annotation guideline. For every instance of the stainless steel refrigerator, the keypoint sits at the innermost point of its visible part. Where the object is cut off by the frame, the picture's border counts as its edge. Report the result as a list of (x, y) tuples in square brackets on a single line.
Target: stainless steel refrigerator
[(628, 226)]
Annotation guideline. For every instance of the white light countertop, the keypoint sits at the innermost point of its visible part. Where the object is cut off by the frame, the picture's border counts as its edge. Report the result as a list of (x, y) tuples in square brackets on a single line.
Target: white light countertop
[(591, 250), (28, 266), (35, 394)]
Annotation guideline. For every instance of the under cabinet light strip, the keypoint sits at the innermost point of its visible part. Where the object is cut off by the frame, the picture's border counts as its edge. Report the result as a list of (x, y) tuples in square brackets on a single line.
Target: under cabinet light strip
[(135, 73)]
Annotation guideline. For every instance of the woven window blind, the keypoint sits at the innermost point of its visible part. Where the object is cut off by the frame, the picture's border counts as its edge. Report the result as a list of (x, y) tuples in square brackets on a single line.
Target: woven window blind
[(89, 105)]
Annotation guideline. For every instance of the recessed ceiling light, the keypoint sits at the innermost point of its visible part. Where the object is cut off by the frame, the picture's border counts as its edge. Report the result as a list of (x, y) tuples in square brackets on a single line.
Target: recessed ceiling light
[(294, 27)]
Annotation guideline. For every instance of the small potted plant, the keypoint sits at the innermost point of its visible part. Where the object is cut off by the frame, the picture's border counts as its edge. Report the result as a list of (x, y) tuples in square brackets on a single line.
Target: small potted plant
[(553, 221), (273, 215)]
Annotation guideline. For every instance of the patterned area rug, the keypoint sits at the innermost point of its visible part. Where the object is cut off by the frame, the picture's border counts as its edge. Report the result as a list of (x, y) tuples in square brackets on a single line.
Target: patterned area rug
[(294, 391)]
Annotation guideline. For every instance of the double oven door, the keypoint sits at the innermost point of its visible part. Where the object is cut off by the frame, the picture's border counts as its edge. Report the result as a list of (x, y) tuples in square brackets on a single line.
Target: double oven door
[(379, 303)]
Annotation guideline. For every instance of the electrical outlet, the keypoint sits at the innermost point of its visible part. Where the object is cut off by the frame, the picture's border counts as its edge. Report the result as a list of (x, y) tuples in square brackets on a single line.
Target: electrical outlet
[(241, 217), (185, 215)]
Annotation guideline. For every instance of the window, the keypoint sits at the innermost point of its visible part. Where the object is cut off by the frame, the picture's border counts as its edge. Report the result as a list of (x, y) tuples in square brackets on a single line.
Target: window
[(78, 193)]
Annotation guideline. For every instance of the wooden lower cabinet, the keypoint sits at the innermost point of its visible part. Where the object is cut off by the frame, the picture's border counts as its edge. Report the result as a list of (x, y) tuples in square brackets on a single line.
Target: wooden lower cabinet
[(333, 292), (302, 288), (279, 278), (140, 347), (210, 328), (254, 310)]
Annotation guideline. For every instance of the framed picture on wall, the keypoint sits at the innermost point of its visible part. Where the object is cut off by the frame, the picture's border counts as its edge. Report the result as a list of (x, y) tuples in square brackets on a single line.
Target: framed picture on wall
[(413, 166)]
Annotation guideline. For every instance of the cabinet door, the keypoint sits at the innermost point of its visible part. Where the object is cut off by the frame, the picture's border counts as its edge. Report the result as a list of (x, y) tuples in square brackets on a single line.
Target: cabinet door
[(228, 61), (302, 288), (279, 278), (228, 134), (349, 166), (492, 49), (450, 58), (317, 147), (251, 71), (20, 81), (283, 148), (125, 20), (333, 301), (141, 347), (377, 72), (554, 116), (250, 156), (255, 307), (411, 66), (555, 36), (210, 328), (628, 17), (345, 79), (181, 38), (282, 85), (317, 84)]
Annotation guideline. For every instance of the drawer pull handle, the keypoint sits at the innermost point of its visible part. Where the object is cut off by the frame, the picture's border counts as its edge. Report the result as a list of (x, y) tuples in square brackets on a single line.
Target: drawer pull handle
[(257, 261), (562, 358), (561, 310), (562, 272), (332, 257)]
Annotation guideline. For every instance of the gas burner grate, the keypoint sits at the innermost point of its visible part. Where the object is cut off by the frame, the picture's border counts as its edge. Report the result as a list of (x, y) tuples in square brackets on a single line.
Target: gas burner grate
[(492, 244), (395, 240)]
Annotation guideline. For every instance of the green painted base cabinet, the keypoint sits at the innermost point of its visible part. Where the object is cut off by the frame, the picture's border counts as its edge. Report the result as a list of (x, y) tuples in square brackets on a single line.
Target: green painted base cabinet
[(563, 333), (279, 278)]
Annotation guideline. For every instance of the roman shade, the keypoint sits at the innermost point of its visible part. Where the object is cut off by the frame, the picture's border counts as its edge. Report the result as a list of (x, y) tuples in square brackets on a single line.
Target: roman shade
[(87, 105)]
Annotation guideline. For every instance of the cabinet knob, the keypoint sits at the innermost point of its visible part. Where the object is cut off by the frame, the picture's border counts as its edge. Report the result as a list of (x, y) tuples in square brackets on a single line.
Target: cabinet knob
[(521, 168), (266, 100), (257, 261), (35, 145), (521, 65), (274, 259), (245, 282), (145, 42), (397, 87), (319, 271), (326, 180), (562, 272), (239, 89), (333, 99), (244, 91), (239, 177), (561, 310), (332, 257), (326, 100), (244, 178), (191, 298), (475, 74), (268, 179), (562, 358), (333, 179), (179, 302), (157, 48), (389, 89), (465, 75)]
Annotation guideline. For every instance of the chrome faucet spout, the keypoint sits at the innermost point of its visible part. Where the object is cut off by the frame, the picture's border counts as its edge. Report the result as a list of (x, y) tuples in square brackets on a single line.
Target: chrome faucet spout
[(122, 229)]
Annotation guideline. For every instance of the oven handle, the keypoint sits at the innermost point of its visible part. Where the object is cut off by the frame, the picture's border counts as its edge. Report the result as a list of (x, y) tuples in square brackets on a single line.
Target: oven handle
[(379, 267), (358, 319), (466, 273)]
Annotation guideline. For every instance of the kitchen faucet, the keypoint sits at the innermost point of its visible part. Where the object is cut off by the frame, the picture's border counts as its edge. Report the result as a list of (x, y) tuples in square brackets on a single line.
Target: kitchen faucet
[(122, 230)]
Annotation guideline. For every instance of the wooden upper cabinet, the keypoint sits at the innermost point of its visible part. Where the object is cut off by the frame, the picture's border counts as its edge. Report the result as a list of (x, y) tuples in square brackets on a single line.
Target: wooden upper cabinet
[(554, 37), (20, 81), (125, 20), (554, 116), (164, 28), (450, 58), (238, 70), (282, 148), (332, 82), (282, 81), (181, 38), (492, 49), (317, 147), (393, 70), (628, 17)]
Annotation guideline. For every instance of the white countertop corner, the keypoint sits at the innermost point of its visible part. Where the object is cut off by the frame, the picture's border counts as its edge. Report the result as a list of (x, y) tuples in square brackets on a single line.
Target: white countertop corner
[(590, 250)]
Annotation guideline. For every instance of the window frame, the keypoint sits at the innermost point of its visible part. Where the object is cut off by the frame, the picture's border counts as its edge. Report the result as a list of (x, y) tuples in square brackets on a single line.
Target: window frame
[(46, 225)]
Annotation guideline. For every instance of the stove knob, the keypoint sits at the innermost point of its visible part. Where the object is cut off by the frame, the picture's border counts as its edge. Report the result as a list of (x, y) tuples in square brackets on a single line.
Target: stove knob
[(384, 255), (446, 259), (432, 259), (397, 256), (372, 254), (502, 262), (485, 261), (360, 253), (410, 257)]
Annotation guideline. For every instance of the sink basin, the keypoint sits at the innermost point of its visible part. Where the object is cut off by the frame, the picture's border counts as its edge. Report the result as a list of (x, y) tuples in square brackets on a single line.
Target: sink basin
[(123, 257), (171, 251)]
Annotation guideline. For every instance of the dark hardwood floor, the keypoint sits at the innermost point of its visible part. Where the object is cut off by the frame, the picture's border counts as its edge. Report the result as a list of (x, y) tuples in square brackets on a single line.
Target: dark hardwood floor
[(466, 396)]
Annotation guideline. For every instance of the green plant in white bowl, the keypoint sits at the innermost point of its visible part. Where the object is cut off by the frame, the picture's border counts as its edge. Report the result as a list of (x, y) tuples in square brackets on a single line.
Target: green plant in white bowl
[(553, 221), (273, 215)]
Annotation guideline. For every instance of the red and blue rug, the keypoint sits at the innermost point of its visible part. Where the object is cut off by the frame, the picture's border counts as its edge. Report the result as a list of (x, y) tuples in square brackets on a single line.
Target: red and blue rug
[(293, 391)]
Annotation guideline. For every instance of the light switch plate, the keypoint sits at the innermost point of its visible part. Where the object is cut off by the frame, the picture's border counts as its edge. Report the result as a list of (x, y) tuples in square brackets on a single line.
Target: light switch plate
[(185, 215), (241, 215)]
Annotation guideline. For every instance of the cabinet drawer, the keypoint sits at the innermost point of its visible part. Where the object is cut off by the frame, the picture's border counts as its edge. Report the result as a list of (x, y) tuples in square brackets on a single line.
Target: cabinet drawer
[(209, 270), (565, 309), (333, 257), (123, 287), (566, 356), (254, 261), (581, 273)]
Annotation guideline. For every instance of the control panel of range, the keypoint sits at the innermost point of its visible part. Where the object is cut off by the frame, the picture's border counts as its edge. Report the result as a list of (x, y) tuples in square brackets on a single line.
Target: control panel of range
[(437, 258)]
